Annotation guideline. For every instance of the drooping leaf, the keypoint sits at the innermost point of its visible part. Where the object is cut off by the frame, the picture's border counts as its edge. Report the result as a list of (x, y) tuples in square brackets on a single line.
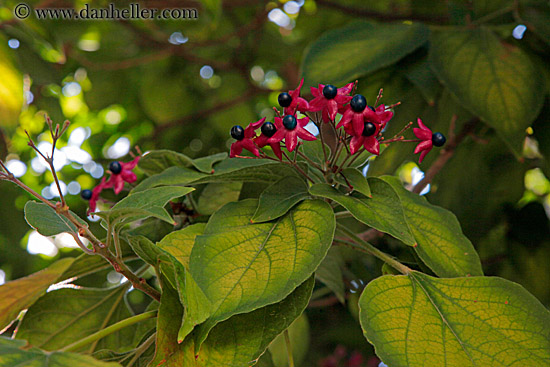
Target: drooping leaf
[(242, 266), (338, 56), (330, 273), (279, 198), (46, 221), (232, 342), (65, 315), (20, 294), (440, 242), (418, 320), (357, 180), (205, 164), (495, 80), (14, 353), (382, 212), (147, 203), (215, 195)]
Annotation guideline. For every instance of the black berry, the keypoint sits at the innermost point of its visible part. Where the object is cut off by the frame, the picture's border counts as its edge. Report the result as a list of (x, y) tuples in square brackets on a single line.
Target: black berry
[(330, 91), (115, 167), (268, 129), (438, 139), (237, 132), (290, 122), (369, 129), (86, 194), (358, 103), (284, 99)]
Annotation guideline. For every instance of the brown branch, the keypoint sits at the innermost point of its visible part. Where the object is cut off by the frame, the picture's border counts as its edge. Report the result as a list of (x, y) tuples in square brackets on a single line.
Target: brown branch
[(382, 16)]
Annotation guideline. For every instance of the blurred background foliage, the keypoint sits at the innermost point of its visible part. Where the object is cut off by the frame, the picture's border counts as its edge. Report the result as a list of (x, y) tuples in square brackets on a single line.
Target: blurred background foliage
[(181, 85)]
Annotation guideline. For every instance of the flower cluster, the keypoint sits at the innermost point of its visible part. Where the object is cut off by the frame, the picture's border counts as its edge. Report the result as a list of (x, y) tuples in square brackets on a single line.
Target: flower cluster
[(363, 124), (121, 172)]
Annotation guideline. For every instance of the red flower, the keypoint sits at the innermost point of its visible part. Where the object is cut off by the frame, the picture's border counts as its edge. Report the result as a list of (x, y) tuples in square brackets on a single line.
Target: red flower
[(95, 195), (264, 140), (246, 142), (382, 116), (370, 142), (329, 107), (424, 134), (298, 103), (293, 130), (125, 175)]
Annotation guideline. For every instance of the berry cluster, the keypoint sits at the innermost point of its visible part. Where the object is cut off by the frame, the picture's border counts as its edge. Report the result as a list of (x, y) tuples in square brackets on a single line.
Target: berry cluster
[(120, 172), (363, 124)]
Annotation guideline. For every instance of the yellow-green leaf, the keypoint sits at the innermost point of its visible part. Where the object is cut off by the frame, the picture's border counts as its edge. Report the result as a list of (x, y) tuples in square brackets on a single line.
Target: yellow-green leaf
[(278, 198), (495, 80), (418, 320), (242, 266)]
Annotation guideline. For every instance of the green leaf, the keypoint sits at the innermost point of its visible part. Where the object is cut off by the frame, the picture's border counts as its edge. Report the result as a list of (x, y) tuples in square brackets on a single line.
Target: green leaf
[(180, 243), (147, 203), (330, 273), (314, 151), (279, 198), (494, 80), (339, 56), (357, 180), (20, 294), (157, 161), (417, 320), (382, 212), (216, 195), (298, 333), (242, 266), (46, 221), (234, 342), (422, 76), (173, 176), (65, 315), (15, 353), (440, 241), (145, 249)]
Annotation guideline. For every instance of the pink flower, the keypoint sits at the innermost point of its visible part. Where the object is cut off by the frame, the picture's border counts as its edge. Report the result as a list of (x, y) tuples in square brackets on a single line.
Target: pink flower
[(95, 195), (290, 129), (264, 140), (424, 134), (367, 139), (381, 116), (329, 100), (125, 175), (244, 139), (297, 103)]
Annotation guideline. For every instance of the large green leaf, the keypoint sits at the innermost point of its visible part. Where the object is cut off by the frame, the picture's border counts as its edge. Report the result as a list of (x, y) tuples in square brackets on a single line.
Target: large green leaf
[(238, 341), (63, 316), (345, 54), (147, 203), (16, 353), (495, 80), (382, 212), (440, 242), (330, 273), (417, 320), (278, 198), (242, 266), (217, 194), (356, 179), (47, 221), (19, 294)]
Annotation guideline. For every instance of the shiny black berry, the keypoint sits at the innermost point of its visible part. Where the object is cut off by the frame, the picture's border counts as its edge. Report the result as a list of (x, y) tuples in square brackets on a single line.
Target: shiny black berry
[(268, 129), (237, 132), (290, 122), (284, 99), (86, 194), (115, 167), (438, 139), (358, 103), (330, 91), (369, 129)]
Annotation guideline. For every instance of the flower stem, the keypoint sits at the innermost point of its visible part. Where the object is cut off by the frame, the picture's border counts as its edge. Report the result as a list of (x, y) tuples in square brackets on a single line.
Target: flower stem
[(289, 349), (108, 330), (368, 248)]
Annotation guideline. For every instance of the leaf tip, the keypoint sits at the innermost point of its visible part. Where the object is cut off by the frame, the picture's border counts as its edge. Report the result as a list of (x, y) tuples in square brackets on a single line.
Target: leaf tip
[(415, 245)]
